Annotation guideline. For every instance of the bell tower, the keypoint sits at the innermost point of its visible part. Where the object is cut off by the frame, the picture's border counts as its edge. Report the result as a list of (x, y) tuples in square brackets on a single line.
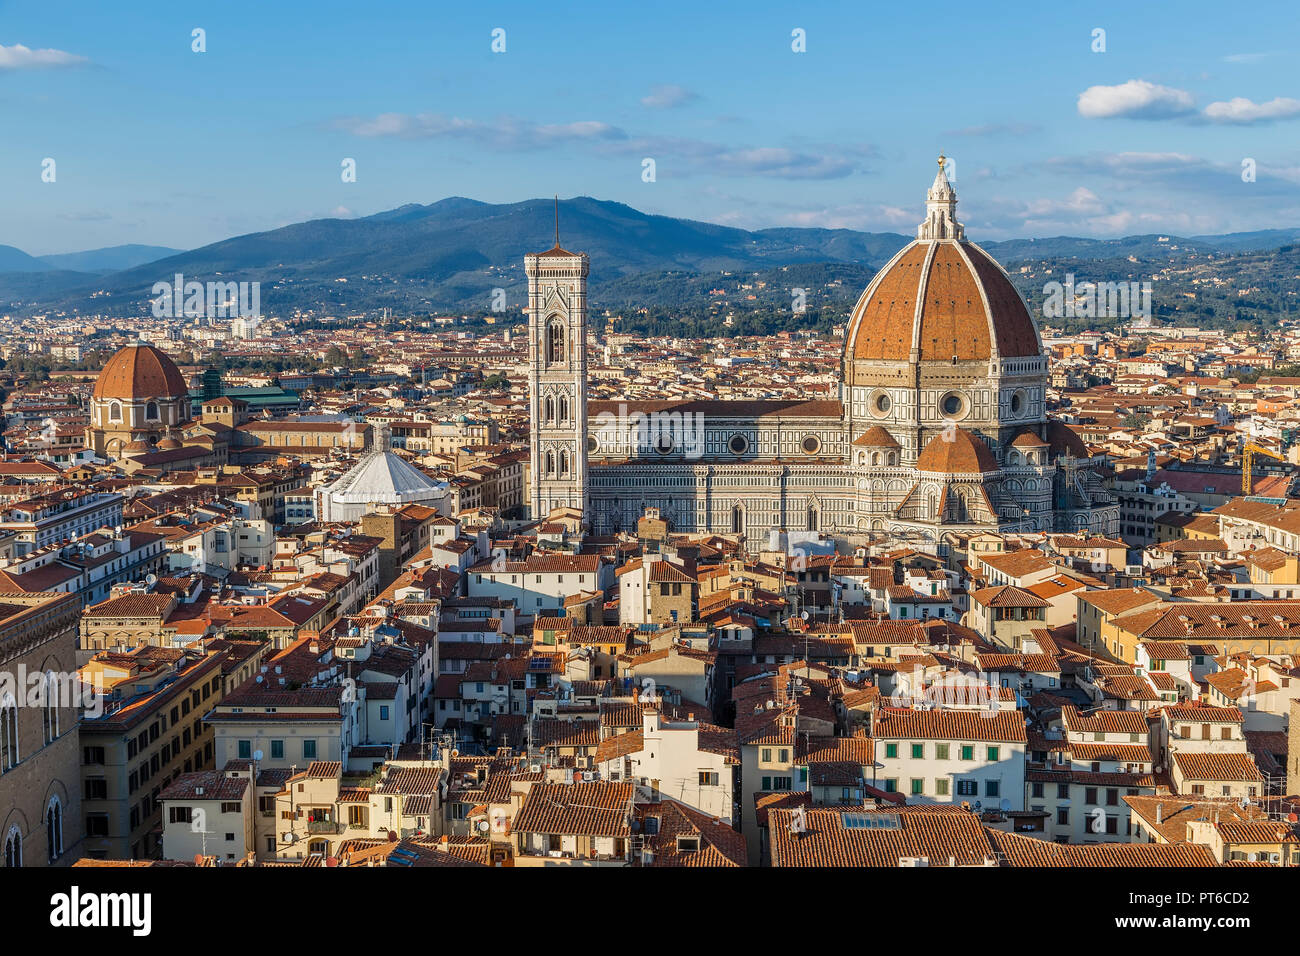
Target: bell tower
[(557, 378)]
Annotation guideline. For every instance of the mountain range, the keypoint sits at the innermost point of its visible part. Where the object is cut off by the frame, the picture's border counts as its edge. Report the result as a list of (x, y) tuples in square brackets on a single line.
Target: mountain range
[(451, 254)]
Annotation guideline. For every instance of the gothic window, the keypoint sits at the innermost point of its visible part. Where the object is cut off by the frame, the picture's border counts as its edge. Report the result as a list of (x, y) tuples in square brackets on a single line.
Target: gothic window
[(550, 410), (14, 848), (115, 412), (564, 463), (555, 343), (812, 519), (564, 409), (8, 734), (550, 464), (54, 828), (737, 519), (50, 707)]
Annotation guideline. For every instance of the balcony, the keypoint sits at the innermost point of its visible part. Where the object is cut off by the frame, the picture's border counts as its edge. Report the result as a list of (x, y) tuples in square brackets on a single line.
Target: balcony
[(324, 826)]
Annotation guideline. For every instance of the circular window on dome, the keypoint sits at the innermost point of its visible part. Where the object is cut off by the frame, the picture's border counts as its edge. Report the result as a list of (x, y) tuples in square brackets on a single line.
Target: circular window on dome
[(1018, 402), (881, 403), (811, 444), (592, 445), (738, 444), (952, 405), (663, 443)]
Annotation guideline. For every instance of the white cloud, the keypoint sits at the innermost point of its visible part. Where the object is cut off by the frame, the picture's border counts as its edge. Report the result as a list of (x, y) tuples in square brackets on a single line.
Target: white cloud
[(674, 154), (1247, 57), (1136, 99), (666, 96), (19, 57), (1241, 110), (505, 133)]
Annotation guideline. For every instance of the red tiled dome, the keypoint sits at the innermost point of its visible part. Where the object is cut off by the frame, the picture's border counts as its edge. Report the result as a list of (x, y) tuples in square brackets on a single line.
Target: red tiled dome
[(969, 308), (140, 371), (876, 437), (964, 455), (1065, 440)]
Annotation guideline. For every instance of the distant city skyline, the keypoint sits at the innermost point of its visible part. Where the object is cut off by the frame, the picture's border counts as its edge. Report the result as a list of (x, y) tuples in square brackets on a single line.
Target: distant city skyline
[(155, 143)]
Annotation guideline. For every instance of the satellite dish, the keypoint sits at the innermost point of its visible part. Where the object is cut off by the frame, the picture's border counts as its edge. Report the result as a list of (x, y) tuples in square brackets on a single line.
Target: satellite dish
[(257, 755), (151, 579), (1005, 804), (483, 826), (804, 615)]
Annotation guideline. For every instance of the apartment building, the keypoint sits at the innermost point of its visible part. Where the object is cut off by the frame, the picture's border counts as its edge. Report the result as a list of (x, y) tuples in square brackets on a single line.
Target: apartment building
[(151, 731)]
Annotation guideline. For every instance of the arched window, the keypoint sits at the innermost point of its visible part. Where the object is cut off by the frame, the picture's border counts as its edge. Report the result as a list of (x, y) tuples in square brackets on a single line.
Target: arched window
[(555, 343), (550, 410), (151, 412), (14, 848), (115, 412), (564, 463), (812, 519), (564, 409), (54, 828), (737, 520), (8, 734), (875, 458), (893, 459), (49, 706), (550, 464)]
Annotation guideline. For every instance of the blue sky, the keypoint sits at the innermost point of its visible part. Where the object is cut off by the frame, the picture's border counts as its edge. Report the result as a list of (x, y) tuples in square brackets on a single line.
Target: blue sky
[(154, 143)]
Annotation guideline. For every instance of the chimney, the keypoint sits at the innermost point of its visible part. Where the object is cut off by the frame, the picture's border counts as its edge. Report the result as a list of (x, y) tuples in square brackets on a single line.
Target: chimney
[(1159, 813)]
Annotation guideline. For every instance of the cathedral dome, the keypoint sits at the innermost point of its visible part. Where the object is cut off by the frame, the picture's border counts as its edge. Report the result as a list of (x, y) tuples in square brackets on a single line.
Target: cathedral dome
[(942, 296), (137, 372), (876, 437), (1064, 440), (963, 454)]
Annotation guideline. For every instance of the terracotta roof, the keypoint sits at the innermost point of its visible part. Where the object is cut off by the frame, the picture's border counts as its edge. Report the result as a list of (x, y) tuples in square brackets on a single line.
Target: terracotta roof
[(969, 308), (1005, 725), (961, 454), (595, 808), (868, 837), (1229, 767), (140, 371), (876, 437)]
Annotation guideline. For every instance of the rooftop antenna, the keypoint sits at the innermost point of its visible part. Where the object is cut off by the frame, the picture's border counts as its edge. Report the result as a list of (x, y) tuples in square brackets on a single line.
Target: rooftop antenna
[(557, 220)]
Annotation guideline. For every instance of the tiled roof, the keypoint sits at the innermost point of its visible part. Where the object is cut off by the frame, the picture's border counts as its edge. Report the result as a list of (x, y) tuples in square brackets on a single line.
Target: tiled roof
[(1004, 725), (594, 808), (1226, 767)]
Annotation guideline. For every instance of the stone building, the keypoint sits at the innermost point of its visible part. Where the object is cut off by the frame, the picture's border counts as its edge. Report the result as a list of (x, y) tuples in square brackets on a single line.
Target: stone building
[(40, 753)]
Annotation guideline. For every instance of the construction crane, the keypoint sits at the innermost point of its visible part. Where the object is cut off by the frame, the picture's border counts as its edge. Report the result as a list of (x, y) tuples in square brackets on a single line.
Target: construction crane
[(1248, 464)]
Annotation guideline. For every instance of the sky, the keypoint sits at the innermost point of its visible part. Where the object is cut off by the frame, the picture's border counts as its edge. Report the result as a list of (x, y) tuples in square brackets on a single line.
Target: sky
[(1052, 127)]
